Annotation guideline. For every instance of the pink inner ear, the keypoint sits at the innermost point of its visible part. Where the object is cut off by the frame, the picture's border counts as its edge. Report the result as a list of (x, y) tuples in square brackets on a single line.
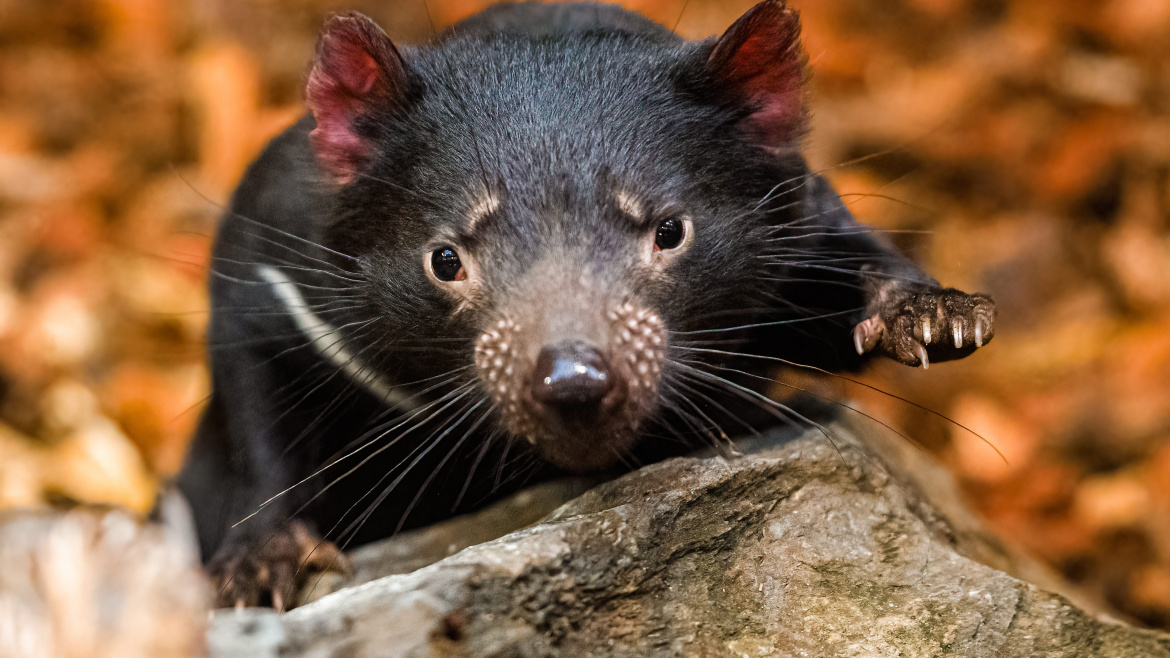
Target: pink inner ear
[(759, 58), (346, 80), (335, 105)]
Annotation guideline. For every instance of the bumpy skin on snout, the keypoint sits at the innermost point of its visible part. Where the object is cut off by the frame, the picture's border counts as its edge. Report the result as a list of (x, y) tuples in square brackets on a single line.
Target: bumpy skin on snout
[(632, 344), (557, 238)]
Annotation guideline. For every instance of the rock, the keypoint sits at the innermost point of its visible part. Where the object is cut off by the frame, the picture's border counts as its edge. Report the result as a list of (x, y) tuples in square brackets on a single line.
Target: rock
[(416, 549), (90, 583), (795, 548)]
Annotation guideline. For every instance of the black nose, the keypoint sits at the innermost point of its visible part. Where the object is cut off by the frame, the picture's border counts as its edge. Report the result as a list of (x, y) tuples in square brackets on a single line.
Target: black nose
[(571, 376)]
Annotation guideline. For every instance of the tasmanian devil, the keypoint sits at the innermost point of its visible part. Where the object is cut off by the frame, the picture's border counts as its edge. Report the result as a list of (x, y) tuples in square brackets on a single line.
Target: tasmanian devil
[(557, 238)]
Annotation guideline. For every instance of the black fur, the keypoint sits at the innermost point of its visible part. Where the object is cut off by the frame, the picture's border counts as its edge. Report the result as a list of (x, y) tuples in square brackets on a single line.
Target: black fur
[(552, 109)]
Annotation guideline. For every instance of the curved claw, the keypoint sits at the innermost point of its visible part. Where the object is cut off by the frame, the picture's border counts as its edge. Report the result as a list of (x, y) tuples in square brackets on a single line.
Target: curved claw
[(867, 334), (919, 326)]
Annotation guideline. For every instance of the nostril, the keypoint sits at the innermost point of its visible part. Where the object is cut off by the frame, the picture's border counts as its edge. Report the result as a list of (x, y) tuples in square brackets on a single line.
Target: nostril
[(569, 374)]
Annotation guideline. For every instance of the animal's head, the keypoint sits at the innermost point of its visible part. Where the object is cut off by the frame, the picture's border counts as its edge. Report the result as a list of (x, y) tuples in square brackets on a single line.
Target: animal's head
[(558, 214)]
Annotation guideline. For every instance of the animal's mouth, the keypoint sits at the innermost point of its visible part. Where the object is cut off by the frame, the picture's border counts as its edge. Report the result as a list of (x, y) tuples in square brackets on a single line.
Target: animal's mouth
[(580, 403), (588, 450)]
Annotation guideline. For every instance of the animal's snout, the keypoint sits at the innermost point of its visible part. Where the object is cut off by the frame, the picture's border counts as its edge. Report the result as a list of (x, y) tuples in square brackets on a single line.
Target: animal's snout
[(571, 377), (578, 390)]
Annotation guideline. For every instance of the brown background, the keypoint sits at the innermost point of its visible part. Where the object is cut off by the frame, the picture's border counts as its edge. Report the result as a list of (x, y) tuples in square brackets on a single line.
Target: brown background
[(1019, 147)]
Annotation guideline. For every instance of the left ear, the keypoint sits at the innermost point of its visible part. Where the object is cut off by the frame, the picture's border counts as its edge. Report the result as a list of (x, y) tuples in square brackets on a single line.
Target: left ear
[(760, 63)]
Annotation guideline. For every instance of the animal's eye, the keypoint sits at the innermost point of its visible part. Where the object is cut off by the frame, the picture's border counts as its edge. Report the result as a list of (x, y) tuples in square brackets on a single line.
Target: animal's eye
[(446, 265), (670, 234)]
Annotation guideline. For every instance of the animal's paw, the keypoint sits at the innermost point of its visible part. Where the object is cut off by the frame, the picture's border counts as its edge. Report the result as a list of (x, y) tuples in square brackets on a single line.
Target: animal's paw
[(271, 569), (921, 327)]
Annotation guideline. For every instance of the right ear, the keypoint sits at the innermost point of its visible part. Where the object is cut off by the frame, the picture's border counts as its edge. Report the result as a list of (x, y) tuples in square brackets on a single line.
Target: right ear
[(357, 70)]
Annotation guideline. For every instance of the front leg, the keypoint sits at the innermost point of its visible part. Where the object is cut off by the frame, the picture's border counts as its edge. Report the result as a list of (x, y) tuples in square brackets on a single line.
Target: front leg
[(256, 549), (907, 315)]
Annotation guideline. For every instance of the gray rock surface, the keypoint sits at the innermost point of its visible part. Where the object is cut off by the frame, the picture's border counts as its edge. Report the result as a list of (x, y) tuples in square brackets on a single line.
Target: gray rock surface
[(795, 548), (91, 583)]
